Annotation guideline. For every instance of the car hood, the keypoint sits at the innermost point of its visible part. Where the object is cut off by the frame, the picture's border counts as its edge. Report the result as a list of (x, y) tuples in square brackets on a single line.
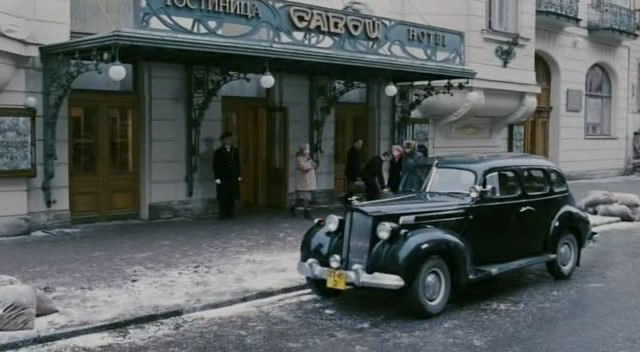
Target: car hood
[(412, 203)]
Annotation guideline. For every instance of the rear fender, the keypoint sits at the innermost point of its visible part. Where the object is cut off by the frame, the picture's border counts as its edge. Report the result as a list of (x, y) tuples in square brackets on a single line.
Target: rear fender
[(421, 244), (568, 219)]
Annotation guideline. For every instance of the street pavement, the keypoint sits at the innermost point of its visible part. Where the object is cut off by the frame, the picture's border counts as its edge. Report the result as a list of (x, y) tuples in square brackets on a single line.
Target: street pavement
[(596, 310), (106, 273)]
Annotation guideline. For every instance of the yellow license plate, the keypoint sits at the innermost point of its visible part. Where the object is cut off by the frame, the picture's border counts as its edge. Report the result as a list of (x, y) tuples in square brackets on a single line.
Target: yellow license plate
[(337, 280)]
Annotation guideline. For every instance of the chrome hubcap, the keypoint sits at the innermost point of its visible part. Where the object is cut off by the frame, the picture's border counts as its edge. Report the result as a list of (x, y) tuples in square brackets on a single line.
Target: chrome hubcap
[(433, 286), (565, 255)]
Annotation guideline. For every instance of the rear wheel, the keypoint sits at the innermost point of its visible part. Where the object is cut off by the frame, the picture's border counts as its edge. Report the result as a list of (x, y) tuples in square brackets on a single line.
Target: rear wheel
[(431, 288), (567, 251), (319, 287)]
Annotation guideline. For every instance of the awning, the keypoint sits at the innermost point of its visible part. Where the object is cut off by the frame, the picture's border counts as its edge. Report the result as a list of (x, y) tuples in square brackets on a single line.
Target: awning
[(148, 45)]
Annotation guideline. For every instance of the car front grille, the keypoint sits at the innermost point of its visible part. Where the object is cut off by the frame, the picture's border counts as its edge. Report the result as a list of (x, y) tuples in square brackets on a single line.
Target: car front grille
[(358, 230)]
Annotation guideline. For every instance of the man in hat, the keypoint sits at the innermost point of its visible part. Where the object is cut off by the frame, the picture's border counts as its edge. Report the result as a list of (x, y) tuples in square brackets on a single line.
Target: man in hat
[(226, 170)]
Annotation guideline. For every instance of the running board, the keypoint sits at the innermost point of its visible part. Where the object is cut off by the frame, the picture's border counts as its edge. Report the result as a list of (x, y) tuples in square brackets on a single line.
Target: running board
[(487, 271)]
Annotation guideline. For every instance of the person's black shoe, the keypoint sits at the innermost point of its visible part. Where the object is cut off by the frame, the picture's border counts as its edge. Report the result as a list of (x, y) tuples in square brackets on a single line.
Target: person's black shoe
[(292, 211)]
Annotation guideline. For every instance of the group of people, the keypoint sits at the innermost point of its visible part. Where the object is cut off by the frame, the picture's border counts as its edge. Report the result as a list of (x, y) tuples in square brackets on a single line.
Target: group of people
[(226, 170), (400, 158)]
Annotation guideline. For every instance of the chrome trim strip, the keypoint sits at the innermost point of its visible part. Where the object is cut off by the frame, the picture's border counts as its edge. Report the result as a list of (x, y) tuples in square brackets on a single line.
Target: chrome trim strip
[(386, 200), (411, 219), (518, 201), (440, 220)]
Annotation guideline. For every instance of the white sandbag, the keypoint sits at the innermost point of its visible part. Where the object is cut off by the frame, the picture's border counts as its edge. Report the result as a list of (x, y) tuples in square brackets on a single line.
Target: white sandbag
[(596, 198), (636, 213), (6, 280), (44, 304), (17, 308), (629, 199), (617, 211)]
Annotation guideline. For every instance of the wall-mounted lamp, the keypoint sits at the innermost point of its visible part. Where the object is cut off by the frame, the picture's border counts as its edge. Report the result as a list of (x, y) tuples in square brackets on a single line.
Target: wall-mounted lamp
[(391, 90), (31, 102), (117, 71)]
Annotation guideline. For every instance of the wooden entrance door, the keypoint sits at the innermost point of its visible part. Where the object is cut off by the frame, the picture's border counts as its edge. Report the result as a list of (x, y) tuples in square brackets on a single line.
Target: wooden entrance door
[(536, 129), (351, 124), (103, 160), (261, 137)]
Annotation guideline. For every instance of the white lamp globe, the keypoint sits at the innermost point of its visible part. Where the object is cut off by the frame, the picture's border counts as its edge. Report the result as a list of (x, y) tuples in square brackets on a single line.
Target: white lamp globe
[(31, 102), (391, 90), (267, 80), (117, 72)]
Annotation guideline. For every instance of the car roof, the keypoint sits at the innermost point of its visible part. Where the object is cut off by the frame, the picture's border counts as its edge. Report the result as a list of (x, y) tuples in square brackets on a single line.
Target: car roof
[(480, 162)]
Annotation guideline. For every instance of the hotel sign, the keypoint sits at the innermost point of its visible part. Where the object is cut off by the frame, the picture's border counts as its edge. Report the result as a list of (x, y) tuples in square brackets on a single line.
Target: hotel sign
[(300, 25)]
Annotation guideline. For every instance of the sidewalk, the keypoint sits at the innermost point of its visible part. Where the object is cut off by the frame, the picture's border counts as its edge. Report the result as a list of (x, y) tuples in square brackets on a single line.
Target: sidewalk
[(108, 273), (102, 274)]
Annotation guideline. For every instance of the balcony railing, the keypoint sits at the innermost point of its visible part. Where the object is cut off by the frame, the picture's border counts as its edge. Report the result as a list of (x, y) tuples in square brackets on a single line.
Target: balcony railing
[(564, 10), (612, 21)]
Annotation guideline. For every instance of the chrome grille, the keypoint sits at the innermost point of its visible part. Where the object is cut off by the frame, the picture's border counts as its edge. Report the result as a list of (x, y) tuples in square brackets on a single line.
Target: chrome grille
[(358, 238)]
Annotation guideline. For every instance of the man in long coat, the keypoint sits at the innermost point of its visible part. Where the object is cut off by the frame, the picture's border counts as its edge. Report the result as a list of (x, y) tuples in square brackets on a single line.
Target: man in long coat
[(226, 170), (353, 171)]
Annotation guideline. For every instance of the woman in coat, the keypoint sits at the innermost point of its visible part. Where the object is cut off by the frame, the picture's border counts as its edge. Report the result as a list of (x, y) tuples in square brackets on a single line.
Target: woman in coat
[(305, 180), (395, 168)]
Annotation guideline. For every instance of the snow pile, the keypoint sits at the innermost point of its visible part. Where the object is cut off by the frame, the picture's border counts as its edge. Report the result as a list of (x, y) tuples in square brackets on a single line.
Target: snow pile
[(21, 304), (625, 206)]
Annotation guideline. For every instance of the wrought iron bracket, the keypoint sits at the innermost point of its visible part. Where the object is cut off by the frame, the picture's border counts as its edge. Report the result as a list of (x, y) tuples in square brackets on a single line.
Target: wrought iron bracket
[(59, 74), (205, 84), (508, 53), (326, 97)]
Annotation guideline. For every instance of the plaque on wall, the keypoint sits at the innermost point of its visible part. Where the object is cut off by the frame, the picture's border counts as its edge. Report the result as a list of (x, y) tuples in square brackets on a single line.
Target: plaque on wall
[(574, 100), (17, 142)]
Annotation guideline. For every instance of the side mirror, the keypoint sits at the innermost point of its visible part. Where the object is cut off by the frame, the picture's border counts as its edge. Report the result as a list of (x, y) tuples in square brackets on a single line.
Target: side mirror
[(478, 192)]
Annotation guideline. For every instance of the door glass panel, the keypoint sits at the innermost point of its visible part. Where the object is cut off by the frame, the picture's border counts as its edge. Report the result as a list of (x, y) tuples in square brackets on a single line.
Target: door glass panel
[(121, 140), (535, 182), (84, 142)]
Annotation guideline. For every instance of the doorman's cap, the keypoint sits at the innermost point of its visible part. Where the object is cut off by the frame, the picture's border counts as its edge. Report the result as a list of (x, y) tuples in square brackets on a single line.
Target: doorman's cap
[(226, 135)]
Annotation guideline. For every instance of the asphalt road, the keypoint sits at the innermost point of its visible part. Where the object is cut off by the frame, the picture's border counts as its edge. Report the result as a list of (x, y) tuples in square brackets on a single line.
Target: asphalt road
[(597, 310)]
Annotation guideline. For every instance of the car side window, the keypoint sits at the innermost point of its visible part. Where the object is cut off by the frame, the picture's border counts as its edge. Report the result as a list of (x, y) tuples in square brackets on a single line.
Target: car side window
[(535, 181), (558, 182), (503, 183)]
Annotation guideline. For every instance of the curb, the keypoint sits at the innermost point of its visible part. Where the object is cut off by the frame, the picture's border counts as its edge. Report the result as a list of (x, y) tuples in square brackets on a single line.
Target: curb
[(144, 319)]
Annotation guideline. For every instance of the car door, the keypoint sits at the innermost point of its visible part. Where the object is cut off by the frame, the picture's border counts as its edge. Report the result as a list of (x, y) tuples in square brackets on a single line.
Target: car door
[(537, 212), (494, 218)]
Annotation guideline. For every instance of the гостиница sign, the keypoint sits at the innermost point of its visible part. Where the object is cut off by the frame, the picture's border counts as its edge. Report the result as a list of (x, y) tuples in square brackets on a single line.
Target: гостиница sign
[(301, 25)]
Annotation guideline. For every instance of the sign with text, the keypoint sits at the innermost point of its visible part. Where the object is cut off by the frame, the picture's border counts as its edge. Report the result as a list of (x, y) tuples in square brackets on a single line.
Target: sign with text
[(297, 25), (17, 142)]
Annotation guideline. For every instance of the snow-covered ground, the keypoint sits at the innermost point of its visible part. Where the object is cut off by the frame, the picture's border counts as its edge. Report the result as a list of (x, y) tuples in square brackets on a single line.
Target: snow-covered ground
[(157, 291)]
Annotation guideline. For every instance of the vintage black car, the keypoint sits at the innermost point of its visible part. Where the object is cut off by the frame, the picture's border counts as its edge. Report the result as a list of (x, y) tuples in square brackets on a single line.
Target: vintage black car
[(457, 220)]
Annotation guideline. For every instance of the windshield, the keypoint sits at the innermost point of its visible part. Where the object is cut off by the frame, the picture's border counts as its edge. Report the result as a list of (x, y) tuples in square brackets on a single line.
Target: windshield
[(414, 179), (449, 180)]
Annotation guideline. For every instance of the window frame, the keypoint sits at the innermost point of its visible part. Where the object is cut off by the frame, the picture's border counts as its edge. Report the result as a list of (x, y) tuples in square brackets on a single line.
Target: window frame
[(497, 171), (512, 9), (548, 188), (601, 96)]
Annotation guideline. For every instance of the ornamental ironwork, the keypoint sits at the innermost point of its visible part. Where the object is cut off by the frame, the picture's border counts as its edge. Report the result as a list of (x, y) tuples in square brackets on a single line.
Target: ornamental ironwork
[(608, 17), (508, 53), (205, 84), (59, 74), (561, 9), (293, 26)]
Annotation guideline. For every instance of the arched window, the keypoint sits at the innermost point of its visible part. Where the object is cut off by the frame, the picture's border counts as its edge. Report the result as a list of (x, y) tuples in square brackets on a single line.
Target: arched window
[(598, 102)]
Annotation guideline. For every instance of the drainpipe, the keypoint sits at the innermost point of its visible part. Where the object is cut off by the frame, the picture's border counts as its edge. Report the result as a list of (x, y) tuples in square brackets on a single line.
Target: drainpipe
[(628, 164)]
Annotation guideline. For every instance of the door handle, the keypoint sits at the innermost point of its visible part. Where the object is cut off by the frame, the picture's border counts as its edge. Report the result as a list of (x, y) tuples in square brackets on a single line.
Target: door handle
[(526, 209)]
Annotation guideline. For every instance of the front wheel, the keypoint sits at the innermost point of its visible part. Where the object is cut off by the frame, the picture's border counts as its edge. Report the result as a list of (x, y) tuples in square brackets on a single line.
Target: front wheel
[(567, 251), (319, 287), (431, 288)]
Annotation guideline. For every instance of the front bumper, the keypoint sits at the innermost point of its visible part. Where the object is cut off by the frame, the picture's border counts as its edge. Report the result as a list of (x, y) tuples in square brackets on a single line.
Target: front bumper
[(356, 277)]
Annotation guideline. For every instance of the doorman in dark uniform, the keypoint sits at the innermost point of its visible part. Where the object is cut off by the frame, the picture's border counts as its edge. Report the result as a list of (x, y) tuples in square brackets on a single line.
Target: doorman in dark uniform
[(226, 170)]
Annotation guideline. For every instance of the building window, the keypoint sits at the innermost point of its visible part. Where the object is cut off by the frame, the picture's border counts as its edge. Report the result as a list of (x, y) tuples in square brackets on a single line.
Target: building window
[(598, 102), (503, 16)]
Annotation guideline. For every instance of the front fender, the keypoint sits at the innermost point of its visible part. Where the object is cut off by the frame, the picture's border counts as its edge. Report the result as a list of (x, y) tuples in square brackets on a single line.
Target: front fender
[(320, 244), (409, 252)]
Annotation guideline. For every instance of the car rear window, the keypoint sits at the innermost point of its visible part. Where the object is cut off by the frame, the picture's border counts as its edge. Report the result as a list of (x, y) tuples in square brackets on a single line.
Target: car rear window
[(535, 181), (558, 182)]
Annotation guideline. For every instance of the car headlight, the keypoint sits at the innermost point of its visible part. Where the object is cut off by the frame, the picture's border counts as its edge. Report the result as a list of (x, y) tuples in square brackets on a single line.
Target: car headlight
[(332, 223), (384, 230)]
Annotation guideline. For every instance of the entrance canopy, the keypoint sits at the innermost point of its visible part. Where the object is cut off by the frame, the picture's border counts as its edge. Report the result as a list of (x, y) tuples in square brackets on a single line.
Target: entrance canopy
[(245, 35)]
